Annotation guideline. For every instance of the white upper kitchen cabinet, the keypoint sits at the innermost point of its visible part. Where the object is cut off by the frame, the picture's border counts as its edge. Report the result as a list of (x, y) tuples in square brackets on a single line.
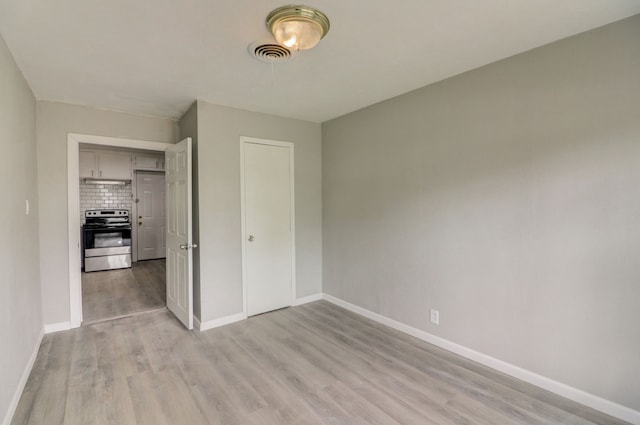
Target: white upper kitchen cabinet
[(148, 163), (105, 165), (115, 165), (88, 164)]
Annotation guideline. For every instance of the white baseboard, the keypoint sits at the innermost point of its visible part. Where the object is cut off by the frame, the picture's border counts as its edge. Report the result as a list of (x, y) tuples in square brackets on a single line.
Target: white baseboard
[(210, 324), (23, 381), (582, 397), (57, 327), (308, 299)]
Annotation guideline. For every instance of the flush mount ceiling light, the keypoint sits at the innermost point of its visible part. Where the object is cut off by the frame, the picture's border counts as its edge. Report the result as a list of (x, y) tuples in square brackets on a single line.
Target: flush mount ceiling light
[(298, 27)]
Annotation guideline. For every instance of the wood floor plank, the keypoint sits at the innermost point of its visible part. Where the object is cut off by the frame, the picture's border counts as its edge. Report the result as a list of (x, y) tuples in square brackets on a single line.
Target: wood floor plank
[(164, 398), (315, 364), (266, 384)]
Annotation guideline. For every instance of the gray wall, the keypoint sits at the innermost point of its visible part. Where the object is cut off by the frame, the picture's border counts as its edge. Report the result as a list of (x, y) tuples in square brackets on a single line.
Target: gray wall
[(188, 127), (219, 131), (55, 120), (507, 198), (21, 322)]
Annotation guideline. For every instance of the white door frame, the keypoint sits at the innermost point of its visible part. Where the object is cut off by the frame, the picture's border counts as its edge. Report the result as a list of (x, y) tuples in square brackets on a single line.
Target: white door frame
[(73, 199), (243, 141)]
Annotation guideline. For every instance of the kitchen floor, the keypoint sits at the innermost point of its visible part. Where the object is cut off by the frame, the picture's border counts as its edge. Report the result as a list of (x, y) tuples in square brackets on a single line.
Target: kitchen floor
[(117, 293)]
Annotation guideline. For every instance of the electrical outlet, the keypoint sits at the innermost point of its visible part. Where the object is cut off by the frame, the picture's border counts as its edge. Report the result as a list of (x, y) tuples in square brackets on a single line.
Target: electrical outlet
[(435, 317)]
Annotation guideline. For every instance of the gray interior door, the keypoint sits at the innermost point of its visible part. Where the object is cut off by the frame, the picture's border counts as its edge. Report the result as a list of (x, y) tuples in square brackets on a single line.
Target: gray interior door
[(151, 227)]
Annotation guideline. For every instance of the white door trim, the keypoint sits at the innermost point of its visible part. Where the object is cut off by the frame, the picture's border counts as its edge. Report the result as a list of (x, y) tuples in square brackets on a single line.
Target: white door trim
[(73, 199), (243, 141)]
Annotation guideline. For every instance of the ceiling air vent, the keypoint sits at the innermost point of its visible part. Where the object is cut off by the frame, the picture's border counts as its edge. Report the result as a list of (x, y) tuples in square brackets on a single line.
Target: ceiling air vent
[(270, 52)]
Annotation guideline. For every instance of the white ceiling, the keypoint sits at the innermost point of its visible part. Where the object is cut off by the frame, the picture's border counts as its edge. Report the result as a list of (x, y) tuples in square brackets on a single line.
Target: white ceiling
[(154, 57)]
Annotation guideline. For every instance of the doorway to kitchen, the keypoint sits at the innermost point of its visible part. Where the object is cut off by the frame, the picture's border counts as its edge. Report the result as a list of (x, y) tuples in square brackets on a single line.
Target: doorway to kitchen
[(179, 234), (122, 209)]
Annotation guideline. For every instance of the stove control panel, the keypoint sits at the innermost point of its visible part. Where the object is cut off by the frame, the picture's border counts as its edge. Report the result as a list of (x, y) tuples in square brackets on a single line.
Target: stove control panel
[(106, 213)]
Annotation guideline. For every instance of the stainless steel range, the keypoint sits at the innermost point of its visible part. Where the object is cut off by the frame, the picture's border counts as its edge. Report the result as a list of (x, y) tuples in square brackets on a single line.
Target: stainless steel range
[(106, 240)]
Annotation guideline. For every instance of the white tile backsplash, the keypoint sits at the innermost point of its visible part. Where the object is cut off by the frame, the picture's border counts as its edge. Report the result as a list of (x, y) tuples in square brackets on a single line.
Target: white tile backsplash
[(101, 196)]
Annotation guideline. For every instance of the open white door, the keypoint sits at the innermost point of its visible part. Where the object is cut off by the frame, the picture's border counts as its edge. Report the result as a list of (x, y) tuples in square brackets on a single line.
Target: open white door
[(179, 232)]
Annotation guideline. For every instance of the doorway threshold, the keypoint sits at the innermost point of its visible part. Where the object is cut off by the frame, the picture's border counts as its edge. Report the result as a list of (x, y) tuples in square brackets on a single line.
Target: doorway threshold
[(138, 313)]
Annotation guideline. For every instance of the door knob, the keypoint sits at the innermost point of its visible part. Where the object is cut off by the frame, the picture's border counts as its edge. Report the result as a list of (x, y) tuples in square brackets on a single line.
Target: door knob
[(185, 246), (251, 238), (139, 223)]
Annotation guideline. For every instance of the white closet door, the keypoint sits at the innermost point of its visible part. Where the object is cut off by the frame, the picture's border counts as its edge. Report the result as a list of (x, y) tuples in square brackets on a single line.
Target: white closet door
[(268, 226)]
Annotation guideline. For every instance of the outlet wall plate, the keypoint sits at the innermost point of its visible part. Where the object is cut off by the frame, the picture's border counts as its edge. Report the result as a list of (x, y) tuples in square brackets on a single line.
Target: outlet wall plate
[(435, 316)]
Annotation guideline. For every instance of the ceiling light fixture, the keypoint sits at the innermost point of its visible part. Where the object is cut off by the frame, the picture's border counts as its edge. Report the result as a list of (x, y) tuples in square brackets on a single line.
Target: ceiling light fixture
[(298, 27)]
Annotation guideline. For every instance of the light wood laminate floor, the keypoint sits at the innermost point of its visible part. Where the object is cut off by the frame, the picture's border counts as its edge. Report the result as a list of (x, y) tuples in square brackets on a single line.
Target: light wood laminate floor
[(115, 293), (312, 364)]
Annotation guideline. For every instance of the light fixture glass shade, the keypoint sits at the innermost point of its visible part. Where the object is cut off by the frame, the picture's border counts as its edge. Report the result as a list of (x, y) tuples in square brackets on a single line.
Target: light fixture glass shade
[(298, 27)]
